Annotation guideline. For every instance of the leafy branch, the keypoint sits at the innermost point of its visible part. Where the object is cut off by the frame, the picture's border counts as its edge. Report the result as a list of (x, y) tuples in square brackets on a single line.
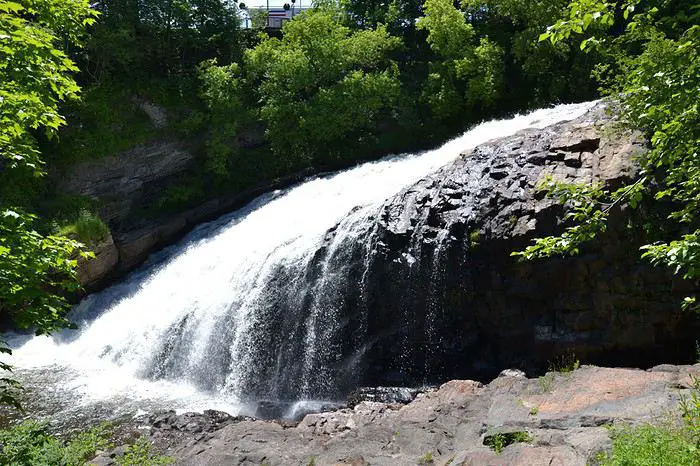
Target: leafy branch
[(657, 93)]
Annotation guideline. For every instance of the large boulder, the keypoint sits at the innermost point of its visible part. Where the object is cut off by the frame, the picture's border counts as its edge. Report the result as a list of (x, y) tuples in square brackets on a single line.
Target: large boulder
[(439, 295)]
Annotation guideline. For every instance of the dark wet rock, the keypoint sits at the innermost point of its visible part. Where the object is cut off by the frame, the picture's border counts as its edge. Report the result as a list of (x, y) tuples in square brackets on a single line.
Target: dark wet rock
[(388, 395), (441, 296), (208, 421), (290, 411)]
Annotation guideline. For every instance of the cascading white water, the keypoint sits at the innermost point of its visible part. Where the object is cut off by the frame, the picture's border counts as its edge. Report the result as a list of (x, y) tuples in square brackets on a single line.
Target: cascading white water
[(192, 327)]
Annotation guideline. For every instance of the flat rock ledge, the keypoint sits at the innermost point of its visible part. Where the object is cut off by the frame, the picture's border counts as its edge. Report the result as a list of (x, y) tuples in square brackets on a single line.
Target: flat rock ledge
[(565, 417)]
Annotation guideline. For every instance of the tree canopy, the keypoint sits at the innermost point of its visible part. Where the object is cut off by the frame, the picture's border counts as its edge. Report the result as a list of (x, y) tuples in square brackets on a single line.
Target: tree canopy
[(322, 87)]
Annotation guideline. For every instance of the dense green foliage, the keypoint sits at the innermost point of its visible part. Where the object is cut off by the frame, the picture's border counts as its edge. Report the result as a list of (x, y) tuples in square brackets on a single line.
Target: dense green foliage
[(467, 75), (31, 444), (140, 41), (653, 70), (34, 79), (36, 271), (141, 454), (88, 228), (105, 121), (323, 89), (33, 270), (222, 93), (651, 445), (347, 82)]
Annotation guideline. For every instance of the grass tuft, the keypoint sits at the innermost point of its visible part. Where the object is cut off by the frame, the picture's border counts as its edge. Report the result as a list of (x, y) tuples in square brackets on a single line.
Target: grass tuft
[(88, 228)]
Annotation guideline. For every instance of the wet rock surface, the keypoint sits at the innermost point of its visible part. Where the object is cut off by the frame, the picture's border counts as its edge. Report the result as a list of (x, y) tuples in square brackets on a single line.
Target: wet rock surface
[(389, 395), (101, 266), (561, 421), (445, 299)]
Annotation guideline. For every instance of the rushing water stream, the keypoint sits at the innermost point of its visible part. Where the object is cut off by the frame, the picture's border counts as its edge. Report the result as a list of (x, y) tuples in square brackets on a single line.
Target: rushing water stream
[(233, 314)]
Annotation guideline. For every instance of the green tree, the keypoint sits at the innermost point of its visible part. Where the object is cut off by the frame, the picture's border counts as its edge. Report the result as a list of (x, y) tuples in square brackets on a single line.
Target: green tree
[(148, 39), (398, 15), (655, 77), (537, 73), (324, 90), (468, 73), (35, 76), (223, 93)]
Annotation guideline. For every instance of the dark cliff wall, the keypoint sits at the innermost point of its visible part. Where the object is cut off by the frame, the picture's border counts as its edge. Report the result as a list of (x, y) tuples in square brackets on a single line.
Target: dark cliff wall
[(437, 295)]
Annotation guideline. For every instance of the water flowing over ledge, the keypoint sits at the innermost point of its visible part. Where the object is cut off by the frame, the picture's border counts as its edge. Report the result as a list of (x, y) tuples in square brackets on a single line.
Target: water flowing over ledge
[(242, 310)]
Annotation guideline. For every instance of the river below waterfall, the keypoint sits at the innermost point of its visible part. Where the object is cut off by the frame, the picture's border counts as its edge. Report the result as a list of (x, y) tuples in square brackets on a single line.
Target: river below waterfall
[(234, 317)]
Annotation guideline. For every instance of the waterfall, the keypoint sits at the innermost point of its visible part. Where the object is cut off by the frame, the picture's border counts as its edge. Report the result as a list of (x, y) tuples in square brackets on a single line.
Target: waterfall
[(250, 307)]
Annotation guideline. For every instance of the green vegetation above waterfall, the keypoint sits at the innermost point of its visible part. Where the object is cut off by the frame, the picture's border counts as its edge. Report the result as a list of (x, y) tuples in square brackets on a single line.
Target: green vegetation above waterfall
[(338, 88), (338, 84)]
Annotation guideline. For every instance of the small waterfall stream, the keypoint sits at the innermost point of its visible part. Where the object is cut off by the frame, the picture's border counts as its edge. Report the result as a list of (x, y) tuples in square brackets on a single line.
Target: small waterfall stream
[(248, 307)]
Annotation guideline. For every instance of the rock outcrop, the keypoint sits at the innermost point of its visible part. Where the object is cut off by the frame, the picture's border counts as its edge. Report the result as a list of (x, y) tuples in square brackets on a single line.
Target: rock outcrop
[(102, 265), (128, 248), (425, 288), (558, 419), (126, 184), (445, 299), (117, 182)]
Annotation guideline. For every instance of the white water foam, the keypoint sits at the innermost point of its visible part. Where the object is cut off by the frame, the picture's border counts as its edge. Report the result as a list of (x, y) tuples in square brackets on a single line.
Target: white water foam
[(215, 280)]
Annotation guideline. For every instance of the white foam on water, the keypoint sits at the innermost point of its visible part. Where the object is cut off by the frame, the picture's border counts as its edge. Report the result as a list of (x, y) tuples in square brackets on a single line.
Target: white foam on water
[(176, 308)]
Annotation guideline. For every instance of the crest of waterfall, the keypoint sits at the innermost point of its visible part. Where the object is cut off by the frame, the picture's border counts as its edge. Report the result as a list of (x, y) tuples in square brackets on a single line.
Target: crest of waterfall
[(252, 306)]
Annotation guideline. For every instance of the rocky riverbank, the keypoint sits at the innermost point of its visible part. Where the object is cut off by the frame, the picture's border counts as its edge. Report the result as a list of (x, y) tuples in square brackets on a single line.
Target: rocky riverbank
[(556, 419)]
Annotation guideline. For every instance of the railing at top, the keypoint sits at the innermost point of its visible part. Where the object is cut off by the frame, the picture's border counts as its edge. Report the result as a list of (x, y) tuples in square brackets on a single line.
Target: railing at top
[(271, 17)]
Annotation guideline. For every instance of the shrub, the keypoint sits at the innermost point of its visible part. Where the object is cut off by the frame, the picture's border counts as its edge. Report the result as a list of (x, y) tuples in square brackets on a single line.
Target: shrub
[(30, 443), (651, 445), (141, 454), (673, 442), (565, 363), (87, 228), (426, 459), (500, 440)]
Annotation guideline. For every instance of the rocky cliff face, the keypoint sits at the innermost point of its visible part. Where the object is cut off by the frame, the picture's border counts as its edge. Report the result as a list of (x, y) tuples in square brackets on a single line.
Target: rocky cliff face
[(441, 297), (118, 182), (121, 185)]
